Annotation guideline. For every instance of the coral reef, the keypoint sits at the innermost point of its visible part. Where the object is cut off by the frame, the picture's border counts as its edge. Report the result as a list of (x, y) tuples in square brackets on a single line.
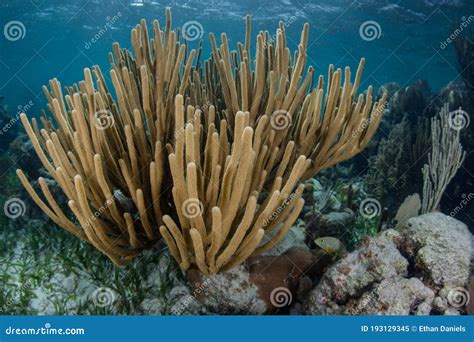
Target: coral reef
[(410, 208), (196, 175), (263, 284), (410, 102), (394, 171), (399, 150), (394, 296), (233, 142), (376, 259), (411, 270), (444, 160), (418, 269), (411, 108), (389, 169), (440, 247), (464, 47)]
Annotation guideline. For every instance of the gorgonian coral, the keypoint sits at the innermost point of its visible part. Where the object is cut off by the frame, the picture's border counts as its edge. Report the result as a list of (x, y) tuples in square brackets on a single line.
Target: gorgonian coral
[(208, 155)]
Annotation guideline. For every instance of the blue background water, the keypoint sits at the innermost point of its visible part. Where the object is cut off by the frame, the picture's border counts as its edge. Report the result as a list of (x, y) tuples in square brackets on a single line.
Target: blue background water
[(57, 32)]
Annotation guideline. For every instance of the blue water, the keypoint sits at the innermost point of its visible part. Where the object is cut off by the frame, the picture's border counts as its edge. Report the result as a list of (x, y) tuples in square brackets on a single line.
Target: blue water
[(57, 33)]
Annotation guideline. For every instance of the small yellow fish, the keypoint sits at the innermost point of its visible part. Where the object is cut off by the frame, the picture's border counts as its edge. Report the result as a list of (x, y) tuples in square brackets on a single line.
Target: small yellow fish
[(331, 245)]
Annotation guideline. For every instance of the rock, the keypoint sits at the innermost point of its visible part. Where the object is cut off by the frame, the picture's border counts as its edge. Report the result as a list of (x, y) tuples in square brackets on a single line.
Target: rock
[(263, 283), (441, 248), (375, 260), (153, 306), (283, 274), (335, 224), (452, 312), (451, 299), (440, 304), (229, 292), (184, 301), (422, 268), (294, 238), (393, 296), (470, 304), (325, 202), (336, 221)]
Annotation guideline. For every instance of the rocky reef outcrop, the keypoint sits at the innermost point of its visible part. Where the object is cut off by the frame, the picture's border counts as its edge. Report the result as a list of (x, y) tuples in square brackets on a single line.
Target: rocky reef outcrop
[(421, 268), (262, 284)]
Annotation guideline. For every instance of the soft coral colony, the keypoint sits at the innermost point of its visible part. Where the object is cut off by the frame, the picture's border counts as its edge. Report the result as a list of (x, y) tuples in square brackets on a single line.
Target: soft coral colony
[(200, 154)]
